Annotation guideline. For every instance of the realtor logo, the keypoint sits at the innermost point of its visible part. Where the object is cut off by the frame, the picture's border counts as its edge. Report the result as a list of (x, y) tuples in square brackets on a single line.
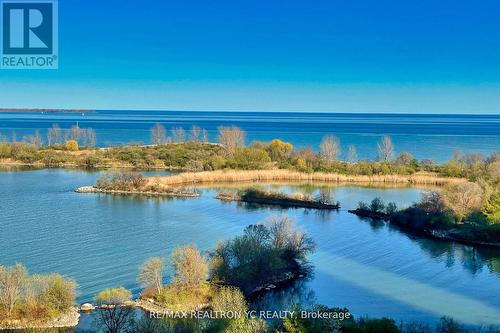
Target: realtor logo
[(29, 34)]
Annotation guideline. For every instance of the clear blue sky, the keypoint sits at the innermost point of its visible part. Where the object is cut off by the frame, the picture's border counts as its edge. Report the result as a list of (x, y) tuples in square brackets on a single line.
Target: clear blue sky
[(423, 56)]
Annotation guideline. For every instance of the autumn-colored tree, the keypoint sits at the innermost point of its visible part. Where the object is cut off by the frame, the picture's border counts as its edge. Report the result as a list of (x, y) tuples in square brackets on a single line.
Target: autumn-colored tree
[(279, 150), (190, 268), (151, 274), (463, 197)]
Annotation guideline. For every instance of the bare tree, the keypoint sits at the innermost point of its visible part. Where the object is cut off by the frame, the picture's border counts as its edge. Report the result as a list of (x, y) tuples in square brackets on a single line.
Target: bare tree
[(204, 136), (195, 133), (91, 137), (54, 135), (352, 154), (330, 147), (178, 134), (385, 149), (190, 268), (231, 138), (12, 281), (158, 134), (151, 274), (77, 134), (115, 316)]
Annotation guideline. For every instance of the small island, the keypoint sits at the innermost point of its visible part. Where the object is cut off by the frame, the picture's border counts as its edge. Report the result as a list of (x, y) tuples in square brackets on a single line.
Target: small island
[(300, 200)]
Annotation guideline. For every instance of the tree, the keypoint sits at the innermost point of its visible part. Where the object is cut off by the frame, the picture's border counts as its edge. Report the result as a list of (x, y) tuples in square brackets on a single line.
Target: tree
[(12, 282), (385, 149), (76, 133), (330, 148), (58, 293), (54, 135), (204, 136), (405, 158), (178, 134), (352, 154), (115, 315), (35, 139), (463, 197), (280, 150), (195, 133), (190, 268), (158, 134), (377, 205), (231, 138), (91, 137), (151, 274)]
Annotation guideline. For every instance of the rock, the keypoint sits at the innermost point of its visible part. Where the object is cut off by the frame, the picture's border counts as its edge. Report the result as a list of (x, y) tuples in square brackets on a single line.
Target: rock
[(86, 189), (129, 303), (86, 307)]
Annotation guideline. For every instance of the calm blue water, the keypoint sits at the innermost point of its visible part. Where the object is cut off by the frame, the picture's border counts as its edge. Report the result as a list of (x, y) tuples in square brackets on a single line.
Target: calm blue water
[(433, 137), (375, 270)]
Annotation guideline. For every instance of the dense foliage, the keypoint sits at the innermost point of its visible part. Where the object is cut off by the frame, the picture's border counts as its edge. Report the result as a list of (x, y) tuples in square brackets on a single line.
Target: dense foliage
[(33, 297), (264, 254)]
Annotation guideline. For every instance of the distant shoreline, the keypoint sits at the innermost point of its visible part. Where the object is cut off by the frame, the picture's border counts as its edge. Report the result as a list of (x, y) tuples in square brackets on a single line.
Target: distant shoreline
[(14, 110)]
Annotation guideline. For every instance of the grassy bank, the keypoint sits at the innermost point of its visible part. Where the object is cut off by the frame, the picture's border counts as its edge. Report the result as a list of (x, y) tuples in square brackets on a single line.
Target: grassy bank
[(231, 176)]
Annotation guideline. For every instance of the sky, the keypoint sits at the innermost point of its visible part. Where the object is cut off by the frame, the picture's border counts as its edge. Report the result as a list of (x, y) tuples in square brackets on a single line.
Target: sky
[(421, 56)]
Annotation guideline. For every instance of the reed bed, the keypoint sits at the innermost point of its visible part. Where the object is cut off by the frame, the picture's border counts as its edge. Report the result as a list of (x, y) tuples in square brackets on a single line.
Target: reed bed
[(239, 176)]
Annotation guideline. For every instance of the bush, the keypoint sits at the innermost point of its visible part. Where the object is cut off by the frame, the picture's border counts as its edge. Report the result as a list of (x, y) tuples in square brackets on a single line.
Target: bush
[(391, 208), (377, 205), (114, 296), (123, 181), (71, 145), (250, 158)]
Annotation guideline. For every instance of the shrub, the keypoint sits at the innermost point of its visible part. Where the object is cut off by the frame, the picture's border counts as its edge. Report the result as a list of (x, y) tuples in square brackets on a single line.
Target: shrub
[(251, 158), (114, 296), (391, 208), (71, 145), (123, 181), (377, 205)]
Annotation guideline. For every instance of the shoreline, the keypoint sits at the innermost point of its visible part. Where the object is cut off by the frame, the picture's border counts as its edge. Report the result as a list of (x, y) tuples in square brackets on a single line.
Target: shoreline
[(442, 235), (181, 194), (67, 320)]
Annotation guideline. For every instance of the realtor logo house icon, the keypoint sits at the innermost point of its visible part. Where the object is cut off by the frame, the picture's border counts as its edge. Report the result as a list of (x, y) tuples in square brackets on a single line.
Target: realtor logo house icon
[(29, 34)]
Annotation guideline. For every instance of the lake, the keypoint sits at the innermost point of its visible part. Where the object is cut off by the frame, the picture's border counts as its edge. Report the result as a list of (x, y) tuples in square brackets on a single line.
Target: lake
[(368, 267), (433, 137)]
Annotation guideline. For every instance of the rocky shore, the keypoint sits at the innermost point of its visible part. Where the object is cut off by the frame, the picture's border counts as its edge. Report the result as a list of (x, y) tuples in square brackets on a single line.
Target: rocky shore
[(69, 319), (170, 193)]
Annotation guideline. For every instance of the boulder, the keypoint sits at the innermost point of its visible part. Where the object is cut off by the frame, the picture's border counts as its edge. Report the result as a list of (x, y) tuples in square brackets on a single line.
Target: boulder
[(86, 307)]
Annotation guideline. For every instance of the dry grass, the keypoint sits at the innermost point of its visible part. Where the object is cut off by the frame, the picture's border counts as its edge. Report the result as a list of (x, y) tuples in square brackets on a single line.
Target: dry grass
[(233, 176)]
